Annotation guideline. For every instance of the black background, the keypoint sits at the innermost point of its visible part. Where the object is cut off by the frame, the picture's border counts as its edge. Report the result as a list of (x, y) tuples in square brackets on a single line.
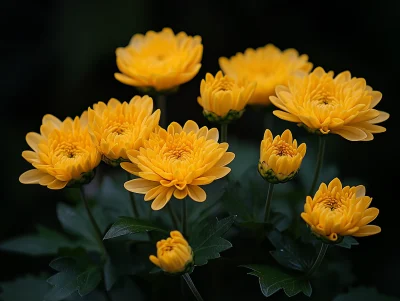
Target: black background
[(58, 57)]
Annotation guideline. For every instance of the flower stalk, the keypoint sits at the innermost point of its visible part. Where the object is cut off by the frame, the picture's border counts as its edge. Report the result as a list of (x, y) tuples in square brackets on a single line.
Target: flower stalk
[(99, 236), (224, 132), (320, 159), (184, 218), (192, 287), (132, 198), (161, 103), (268, 202), (318, 261), (173, 216)]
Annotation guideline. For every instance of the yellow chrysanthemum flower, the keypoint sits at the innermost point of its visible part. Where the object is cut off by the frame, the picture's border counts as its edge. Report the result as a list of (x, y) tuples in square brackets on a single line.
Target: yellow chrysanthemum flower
[(268, 66), (174, 255), (63, 153), (116, 127), (337, 211), (159, 60), (223, 99), (176, 161), (323, 104), (280, 157)]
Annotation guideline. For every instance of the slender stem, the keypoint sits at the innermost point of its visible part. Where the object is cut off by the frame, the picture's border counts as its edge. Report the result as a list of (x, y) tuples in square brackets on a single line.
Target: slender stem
[(192, 287), (184, 219), (320, 159), (319, 259), (161, 103), (268, 202), (173, 216), (108, 296), (99, 236), (132, 197), (224, 132)]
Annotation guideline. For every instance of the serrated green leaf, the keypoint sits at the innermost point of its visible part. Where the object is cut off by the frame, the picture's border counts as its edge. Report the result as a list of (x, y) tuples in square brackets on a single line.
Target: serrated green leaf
[(289, 253), (272, 280), (75, 273), (88, 280), (347, 242), (208, 242), (29, 287), (364, 294), (44, 242), (129, 225)]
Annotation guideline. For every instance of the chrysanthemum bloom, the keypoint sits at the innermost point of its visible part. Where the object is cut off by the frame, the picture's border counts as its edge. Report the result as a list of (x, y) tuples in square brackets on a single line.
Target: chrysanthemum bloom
[(63, 153), (159, 60), (175, 162), (116, 127), (323, 104), (174, 255), (337, 211), (223, 99), (280, 157), (268, 66)]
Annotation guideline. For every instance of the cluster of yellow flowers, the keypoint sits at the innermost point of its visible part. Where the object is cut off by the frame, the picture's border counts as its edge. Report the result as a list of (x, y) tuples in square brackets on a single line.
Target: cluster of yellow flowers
[(177, 160)]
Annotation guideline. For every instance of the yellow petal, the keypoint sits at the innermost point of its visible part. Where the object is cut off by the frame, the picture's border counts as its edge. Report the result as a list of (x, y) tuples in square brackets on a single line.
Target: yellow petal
[(33, 139), (367, 231), (350, 133), (203, 181), (190, 126), (57, 185), (140, 185), (131, 168), (181, 194), (225, 159), (162, 199), (32, 176), (196, 193), (217, 172)]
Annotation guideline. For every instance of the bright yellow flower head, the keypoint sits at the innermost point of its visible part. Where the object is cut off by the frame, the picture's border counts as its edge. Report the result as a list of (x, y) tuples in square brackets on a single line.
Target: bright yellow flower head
[(337, 211), (63, 153), (117, 127), (174, 255), (159, 60), (280, 157), (323, 104), (176, 161), (268, 66), (223, 99)]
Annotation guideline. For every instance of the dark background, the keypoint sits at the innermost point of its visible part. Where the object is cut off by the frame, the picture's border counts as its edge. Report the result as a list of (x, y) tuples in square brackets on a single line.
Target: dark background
[(58, 57)]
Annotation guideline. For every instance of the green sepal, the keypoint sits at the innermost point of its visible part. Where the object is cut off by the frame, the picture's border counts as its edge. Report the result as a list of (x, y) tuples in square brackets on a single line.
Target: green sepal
[(270, 176), (231, 116), (113, 162), (85, 178)]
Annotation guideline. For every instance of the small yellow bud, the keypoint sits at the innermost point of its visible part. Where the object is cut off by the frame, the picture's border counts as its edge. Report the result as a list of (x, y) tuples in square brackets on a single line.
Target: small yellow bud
[(280, 158), (174, 255)]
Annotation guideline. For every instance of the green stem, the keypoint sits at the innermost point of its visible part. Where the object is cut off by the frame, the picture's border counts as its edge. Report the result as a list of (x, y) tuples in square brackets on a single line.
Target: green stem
[(173, 216), (99, 236), (320, 159), (192, 287), (132, 197), (184, 219), (224, 132), (161, 103), (268, 202), (319, 259)]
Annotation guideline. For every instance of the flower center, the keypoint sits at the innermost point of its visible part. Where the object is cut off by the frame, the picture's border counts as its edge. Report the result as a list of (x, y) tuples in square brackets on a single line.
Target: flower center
[(331, 203), (118, 128), (283, 149), (66, 149), (225, 84), (324, 98), (178, 149)]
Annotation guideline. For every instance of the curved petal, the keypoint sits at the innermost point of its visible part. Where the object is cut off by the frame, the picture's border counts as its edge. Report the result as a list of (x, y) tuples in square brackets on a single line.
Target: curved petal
[(57, 185), (181, 194), (225, 159), (32, 176), (140, 185), (217, 172), (162, 199), (131, 168), (196, 193), (33, 139), (367, 231), (350, 133), (190, 126), (286, 116)]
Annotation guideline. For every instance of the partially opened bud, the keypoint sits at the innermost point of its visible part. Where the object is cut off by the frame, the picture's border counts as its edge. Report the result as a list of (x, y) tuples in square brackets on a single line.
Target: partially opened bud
[(174, 255), (280, 158)]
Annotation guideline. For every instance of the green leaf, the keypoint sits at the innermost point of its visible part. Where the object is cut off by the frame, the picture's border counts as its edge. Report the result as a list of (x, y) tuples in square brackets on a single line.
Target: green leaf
[(272, 280), (208, 243), (44, 242), (347, 242), (129, 225), (364, 294), (29, 287), (76, 273), (289, 253)]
